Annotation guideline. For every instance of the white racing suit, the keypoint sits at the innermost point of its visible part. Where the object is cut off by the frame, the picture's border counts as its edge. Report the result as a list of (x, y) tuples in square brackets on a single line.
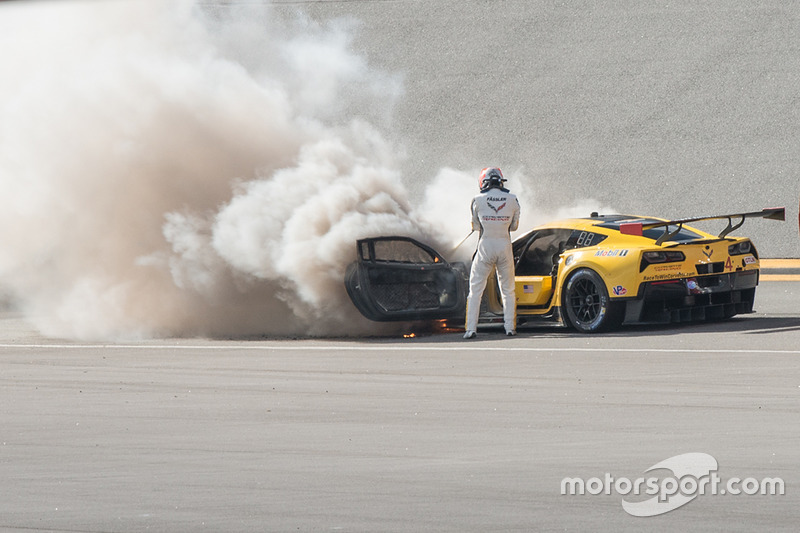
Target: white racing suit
[(495, 213)]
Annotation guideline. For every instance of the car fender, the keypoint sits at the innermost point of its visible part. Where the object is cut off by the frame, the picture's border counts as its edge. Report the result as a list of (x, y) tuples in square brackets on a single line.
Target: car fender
[(617, 267)]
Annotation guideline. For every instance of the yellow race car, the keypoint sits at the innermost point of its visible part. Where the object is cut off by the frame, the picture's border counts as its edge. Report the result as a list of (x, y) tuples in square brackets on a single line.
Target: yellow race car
[(593, 274)]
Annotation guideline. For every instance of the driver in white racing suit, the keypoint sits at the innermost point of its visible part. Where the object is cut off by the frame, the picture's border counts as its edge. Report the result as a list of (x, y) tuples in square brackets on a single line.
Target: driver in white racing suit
[(495, 213)]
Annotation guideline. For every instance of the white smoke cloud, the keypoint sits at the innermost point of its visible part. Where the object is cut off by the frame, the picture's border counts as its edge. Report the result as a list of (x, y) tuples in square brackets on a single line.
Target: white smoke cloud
[(171, 170)]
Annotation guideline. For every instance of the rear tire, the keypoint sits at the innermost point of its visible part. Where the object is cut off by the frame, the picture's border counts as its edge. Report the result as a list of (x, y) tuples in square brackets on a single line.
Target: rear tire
[(587, 305)]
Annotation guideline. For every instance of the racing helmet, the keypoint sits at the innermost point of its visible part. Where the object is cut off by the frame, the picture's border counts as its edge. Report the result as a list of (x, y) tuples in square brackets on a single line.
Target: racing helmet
[(491, 177)]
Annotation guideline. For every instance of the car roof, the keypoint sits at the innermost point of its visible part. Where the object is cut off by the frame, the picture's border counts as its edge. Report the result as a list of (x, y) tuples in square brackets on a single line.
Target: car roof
[(600, 220), (610, 224), (587, 223)]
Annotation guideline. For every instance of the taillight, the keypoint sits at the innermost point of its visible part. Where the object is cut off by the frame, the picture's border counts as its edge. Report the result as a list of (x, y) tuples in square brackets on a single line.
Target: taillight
[(666, 256), (740, 248)]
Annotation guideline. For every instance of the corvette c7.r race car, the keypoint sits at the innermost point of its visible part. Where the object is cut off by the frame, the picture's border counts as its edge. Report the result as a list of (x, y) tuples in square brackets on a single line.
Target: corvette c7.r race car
[(593, 274)]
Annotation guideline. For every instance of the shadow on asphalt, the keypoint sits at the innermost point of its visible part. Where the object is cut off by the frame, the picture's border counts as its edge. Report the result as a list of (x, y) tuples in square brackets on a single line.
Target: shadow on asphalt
[(741, 324), (750, 325)]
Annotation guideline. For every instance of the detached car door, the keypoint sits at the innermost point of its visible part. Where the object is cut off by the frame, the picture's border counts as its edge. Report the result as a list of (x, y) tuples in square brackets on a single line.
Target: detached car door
[(399, 278)]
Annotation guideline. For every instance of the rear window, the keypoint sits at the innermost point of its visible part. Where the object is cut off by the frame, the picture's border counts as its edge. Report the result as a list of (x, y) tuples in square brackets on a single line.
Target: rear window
[(582, 239), (683, 235)]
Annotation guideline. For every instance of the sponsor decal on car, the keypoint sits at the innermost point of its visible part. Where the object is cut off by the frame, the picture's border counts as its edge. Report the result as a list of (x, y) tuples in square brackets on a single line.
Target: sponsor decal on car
[(619, 290), (749, 260), (662, 268), (611, 253), (660, 277)]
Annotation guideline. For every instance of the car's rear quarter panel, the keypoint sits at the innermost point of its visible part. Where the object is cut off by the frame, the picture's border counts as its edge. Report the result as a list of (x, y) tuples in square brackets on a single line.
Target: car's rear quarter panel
[(617, 266)]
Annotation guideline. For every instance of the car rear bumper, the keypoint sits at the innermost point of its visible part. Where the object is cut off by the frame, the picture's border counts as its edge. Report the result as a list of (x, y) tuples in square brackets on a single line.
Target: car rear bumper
[(692, 299)]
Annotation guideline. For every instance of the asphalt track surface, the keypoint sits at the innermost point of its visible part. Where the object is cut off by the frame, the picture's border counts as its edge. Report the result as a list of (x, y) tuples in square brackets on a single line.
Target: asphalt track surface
[(425, 434)]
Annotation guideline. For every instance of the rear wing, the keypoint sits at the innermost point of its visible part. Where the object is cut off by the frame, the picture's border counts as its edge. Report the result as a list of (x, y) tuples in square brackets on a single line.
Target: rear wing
[(637, 228)]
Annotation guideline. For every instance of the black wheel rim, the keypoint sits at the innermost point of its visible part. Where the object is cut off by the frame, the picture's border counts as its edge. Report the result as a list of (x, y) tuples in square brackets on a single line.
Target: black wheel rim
[(584, 300)]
